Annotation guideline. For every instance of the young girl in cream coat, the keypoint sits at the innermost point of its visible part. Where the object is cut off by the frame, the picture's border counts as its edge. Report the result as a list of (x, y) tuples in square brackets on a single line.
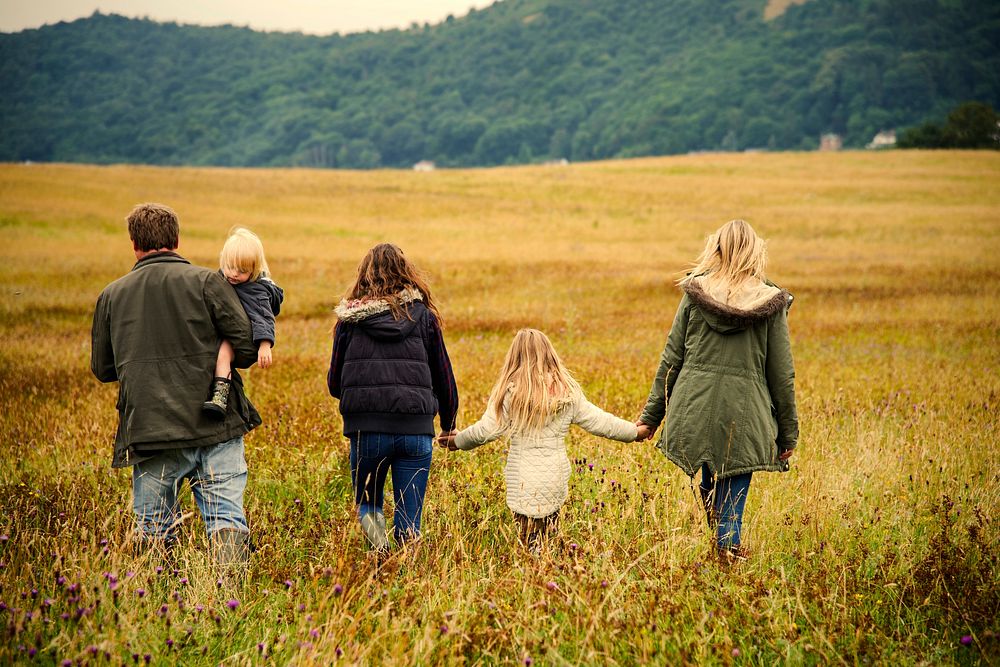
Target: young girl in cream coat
[(534, 402)]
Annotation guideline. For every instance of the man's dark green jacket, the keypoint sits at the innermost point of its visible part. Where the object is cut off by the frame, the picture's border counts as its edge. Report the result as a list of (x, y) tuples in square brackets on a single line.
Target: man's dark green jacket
[(157, 332), (726, 382)]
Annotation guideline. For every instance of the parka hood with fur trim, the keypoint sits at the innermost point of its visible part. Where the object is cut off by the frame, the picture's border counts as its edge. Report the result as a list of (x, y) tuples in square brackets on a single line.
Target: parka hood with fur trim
[(732, 311), (375, 315)]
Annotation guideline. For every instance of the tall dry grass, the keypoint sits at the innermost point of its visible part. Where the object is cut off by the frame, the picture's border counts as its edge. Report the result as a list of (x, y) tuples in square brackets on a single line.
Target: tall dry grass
[(880, 546)]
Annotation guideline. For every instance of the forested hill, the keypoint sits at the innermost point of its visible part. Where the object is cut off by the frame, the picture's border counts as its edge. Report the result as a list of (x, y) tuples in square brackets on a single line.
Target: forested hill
[(520, 81)]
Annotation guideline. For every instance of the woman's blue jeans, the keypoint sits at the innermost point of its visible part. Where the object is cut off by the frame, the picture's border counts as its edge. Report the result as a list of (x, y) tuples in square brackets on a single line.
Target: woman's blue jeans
[(408, 457), (729, 499)]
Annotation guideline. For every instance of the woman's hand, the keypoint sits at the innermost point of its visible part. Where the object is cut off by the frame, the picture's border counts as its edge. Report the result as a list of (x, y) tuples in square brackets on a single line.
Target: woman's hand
[(645, 431), (447, 440)]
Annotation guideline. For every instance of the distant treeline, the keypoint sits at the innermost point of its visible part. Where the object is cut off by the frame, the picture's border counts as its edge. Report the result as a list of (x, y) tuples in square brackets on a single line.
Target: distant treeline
[(521, 81)]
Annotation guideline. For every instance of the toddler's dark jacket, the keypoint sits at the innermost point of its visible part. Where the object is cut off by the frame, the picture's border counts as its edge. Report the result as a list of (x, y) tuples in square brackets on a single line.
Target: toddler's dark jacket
[(262, 301)]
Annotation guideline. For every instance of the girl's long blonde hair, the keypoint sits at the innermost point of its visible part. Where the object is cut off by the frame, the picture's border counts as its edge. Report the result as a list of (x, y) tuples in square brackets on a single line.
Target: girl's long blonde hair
[(732, 255), (243, 252), (383, 274), (533, 384)]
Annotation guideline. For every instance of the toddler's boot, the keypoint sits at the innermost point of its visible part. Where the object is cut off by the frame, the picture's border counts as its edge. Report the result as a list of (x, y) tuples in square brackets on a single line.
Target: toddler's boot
[(218, 399)]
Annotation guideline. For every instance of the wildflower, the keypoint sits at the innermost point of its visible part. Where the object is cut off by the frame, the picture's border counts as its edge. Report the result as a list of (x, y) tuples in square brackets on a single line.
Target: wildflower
[(34, 593), (147, 658), (66, 663), (60, 580), (604, 583), (574, 546), (159, 569), (260, 647), (32, 652), (288, 583), (528, 661), (103, 543), (4, 538), (184, 581), (444, 628), (736, 653), (233, 604), (966, 640), (92, 650), (314, 633), (199, 608), (141, 592), (339, 652), (337, 589), (170, 643), (553, 586), (129, 574)]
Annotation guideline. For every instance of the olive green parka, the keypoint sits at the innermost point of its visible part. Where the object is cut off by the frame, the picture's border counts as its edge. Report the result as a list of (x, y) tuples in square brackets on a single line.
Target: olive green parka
[(726, 382)]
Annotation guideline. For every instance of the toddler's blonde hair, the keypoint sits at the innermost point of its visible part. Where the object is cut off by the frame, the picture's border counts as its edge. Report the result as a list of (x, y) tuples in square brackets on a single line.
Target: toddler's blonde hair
[(243, 252), (533, 384), (732, 255)]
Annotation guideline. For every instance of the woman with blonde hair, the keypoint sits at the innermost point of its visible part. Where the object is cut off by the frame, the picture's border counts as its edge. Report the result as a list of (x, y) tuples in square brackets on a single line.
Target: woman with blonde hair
[(533, 403), (391, 372), (726, 382)]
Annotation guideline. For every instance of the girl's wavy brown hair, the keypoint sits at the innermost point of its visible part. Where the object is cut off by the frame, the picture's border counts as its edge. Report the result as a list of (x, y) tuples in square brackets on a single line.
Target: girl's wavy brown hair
[(383, 274)]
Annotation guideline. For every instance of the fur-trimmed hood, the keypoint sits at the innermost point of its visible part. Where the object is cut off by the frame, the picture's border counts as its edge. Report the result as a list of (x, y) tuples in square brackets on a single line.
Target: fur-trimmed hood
[(375, 315), (355, 310), (729, 312)]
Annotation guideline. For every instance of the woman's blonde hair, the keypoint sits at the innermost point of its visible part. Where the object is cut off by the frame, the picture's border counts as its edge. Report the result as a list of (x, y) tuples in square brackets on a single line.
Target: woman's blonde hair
[(732, 255), (383, 274), (244, 252), (533, 384)]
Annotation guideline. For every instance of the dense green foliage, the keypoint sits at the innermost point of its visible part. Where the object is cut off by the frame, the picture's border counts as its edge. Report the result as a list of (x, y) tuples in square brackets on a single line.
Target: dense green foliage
[(521, 81), (970, 125)]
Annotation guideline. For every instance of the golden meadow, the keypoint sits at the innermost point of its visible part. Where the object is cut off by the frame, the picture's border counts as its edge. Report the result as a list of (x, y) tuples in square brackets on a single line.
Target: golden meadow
[(880, 545)]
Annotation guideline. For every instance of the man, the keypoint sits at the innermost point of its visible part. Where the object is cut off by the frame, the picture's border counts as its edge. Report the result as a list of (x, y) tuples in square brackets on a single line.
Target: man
[(157, 332)]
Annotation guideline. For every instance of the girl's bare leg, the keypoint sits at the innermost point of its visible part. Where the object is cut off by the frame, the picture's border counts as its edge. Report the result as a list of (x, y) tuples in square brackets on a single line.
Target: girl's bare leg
[(224, 362)]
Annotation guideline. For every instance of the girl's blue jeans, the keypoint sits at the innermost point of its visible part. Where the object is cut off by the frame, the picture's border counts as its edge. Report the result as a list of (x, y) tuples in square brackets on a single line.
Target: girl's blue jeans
[(729, 499), (408, 457)]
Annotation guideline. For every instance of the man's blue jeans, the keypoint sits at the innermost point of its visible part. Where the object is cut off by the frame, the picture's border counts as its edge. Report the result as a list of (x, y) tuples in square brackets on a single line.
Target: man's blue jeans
[(218, 476), (373, 455), (729, 500)]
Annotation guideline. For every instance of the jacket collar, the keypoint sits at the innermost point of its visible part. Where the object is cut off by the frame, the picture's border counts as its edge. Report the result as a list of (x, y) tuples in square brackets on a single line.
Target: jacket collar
[(748, 304), (157, 257), (355, 310)]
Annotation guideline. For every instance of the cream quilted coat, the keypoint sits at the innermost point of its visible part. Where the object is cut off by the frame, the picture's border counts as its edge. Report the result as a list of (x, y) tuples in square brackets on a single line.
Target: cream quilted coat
[(537, 470)]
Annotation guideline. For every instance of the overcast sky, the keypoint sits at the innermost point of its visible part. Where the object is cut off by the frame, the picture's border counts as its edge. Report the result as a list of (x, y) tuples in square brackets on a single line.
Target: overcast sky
[(320, 17)]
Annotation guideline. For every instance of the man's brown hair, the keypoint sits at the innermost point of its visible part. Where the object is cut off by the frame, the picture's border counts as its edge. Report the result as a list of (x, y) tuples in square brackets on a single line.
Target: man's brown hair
[(153, 226)]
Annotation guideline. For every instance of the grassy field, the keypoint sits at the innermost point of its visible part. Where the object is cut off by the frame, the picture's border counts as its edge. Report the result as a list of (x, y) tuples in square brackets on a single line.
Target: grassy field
[(879, 546)]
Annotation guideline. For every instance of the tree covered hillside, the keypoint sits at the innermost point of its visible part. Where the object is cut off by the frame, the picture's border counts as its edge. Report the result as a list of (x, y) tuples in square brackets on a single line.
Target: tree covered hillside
[(520, 81)]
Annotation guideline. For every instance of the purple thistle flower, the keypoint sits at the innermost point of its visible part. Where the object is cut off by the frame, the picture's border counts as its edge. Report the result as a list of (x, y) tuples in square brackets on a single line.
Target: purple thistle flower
[(966, 640), (170, 643), (32, 652), (199, 608), (339, 652), (64, 616), (574, 546), (553, 586), (337, 589), (129, 574), (604, 583), (444, 628), (288, 583), (60, 580), (736, 653), (314, 633), (3, 606), (233, 604), (92, 650), (34, 593), (184, 581), (159, 569), (260, 647), (4, 538), (147, 658), (141, 592), (103, 543), (527, 661), (302, 606), (47, 602)]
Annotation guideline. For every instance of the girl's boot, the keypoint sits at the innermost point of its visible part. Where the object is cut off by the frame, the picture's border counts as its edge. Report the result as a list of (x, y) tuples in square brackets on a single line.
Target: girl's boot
[(218, 399)]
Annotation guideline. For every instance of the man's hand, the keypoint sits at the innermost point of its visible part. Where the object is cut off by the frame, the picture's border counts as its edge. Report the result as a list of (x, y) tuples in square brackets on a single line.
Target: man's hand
[(787, 454), (447, 439), (264, 354)]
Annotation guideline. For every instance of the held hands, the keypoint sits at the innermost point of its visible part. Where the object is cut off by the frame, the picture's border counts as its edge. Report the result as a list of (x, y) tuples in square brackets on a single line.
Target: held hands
[(264, 354), (645, 431), (447, 440)]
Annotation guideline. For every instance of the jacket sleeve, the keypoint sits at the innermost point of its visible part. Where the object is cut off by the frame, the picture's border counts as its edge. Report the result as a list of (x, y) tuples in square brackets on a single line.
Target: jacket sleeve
[(780, 373), (102, 354), (263, 323), (442, 376), (230, 320), (594, 420), (341, 337), (485, 430), (671, 361)]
